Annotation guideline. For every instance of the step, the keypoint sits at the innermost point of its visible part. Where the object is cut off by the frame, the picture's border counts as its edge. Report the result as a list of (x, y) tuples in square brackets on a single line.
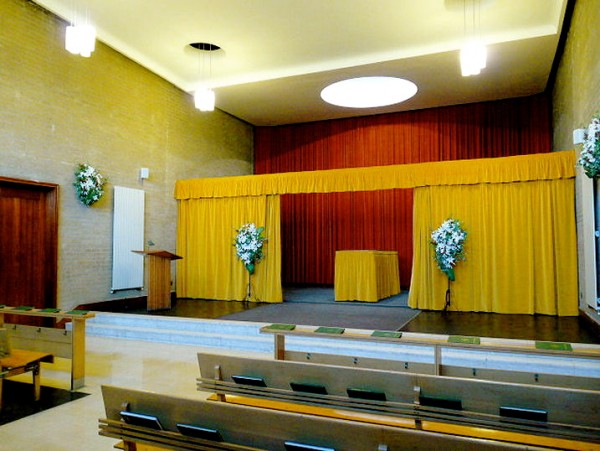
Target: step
[(246, 336), (174, 323), (196, 332), (237, 342)]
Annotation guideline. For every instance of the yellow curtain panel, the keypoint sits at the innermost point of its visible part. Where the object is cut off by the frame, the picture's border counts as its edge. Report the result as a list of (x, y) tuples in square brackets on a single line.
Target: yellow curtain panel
[(521, 252), (459, 172), (210, 268), (519, 212)]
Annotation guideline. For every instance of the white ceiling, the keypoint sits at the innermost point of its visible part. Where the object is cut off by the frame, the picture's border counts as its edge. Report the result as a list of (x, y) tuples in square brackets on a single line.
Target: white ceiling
[(277, 55)]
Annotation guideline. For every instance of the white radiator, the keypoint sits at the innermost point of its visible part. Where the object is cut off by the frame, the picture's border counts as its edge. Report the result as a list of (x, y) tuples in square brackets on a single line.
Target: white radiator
[(128, 235)]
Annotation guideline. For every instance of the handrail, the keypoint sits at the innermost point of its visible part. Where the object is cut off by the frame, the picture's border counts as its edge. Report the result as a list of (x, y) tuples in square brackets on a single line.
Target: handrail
[(580, 350), (439, 347), (48, 313)]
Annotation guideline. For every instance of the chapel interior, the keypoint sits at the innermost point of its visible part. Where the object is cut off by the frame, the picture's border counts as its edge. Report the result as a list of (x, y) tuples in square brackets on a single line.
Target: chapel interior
[(144, 286)]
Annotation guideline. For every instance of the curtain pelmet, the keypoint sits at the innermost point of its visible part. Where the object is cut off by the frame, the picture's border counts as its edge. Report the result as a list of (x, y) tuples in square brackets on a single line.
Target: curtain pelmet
[(545, 166)]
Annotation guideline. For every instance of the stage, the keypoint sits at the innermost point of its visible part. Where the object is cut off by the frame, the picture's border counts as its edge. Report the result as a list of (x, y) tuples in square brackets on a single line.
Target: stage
[(316, 306)]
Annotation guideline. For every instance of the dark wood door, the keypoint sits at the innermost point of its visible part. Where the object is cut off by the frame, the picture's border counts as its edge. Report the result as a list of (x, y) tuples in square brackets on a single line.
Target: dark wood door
[(28, 245)]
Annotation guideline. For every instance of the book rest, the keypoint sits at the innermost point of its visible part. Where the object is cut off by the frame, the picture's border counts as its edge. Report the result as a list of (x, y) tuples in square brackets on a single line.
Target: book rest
[(525, 413)]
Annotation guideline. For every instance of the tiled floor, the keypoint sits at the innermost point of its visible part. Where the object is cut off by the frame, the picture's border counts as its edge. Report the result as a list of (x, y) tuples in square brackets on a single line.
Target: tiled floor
[(168, 369)]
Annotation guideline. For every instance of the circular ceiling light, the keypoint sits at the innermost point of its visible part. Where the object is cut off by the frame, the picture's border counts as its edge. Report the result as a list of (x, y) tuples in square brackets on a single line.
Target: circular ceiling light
[(369, 92)]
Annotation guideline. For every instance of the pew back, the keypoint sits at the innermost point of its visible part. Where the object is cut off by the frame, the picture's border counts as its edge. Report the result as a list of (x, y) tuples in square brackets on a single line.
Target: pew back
[(552, 411), (573, 365), (249, 428)]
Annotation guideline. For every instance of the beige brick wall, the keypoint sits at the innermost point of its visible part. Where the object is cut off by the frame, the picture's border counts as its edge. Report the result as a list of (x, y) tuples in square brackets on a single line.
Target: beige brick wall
[(576, 98), (576, 94), (57, 110)]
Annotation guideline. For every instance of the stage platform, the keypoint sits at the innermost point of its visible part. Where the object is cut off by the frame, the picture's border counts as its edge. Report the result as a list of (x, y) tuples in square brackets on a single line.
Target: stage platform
[(309, 299)]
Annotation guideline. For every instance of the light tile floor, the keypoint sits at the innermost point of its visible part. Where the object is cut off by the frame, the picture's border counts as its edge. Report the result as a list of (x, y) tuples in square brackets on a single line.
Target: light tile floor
[(163, 368)]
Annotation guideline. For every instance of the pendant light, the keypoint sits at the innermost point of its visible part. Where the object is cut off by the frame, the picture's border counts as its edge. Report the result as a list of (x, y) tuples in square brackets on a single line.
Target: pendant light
[(473, 54), (204, 96), (80, 36)]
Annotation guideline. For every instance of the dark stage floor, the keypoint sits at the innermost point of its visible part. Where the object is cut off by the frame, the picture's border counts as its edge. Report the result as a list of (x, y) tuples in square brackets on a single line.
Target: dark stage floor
[(528, 327)]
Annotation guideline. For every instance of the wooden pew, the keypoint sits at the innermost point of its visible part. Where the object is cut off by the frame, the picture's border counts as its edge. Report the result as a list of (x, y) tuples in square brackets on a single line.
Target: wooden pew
[(436, 348), (569, 414), (69, 344), (227, 426)]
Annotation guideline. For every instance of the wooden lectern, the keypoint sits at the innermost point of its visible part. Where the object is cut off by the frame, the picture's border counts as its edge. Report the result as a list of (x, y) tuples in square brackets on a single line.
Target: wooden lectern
[(159, 278)]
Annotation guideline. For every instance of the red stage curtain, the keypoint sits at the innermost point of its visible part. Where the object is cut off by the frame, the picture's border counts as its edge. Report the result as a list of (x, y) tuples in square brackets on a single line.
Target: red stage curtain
[(338, 221), (314, 226)]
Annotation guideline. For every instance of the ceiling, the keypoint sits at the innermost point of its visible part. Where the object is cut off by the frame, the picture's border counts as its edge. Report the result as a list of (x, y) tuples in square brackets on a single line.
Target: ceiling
[(277, 55)]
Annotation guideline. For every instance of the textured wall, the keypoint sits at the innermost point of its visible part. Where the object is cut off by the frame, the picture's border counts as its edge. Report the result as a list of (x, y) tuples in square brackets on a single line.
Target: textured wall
[(576, 94), (57, 110), (576, 98)]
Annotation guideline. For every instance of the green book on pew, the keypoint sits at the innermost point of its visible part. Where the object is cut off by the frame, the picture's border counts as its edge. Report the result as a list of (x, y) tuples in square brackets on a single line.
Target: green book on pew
[(77, 312), (553, 346), (24, 308), (386, 334), (464, 340), (50, 310), (282, 326), (330, 330)]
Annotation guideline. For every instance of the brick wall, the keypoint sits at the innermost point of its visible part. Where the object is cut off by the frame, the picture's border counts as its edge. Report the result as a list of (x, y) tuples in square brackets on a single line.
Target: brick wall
[(576, 93), (57, 110), (576, 98)]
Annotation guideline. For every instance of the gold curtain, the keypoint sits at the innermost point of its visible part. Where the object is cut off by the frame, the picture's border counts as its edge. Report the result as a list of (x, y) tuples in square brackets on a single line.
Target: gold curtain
[(521, 248), (210, 268), (519, 212), (458, 172)]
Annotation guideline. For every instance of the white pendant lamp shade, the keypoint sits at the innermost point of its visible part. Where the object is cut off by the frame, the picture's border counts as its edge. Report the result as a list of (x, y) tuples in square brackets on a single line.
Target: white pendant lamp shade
[(204, 99), (473, 58), (204, 96), (473, 54), (80, 39)]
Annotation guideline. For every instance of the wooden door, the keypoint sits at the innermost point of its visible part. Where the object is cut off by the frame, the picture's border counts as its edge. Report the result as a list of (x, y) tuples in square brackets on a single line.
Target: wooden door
[(28, 245)]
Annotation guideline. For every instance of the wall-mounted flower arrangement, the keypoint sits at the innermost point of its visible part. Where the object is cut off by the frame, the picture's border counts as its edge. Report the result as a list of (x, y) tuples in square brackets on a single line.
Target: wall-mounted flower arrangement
[(589, 158), (89, 184)]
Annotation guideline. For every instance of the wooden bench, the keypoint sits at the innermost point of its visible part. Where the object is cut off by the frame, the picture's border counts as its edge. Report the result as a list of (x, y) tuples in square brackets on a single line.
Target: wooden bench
[(437, 348), (69, 344), (22, 361), (541, 412), (157, 420), (260, 404)]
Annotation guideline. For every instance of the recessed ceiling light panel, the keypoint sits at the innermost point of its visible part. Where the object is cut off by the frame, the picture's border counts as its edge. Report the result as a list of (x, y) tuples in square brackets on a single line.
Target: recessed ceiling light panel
[(369, 92)]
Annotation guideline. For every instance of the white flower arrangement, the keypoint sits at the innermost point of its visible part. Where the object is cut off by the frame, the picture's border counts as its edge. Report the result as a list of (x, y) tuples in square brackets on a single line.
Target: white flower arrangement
[(89, 184), (589, 158), (448, 241), (249, 245)]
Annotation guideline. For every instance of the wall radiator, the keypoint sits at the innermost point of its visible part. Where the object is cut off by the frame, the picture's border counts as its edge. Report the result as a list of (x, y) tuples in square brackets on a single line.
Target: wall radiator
[(128, 235)]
